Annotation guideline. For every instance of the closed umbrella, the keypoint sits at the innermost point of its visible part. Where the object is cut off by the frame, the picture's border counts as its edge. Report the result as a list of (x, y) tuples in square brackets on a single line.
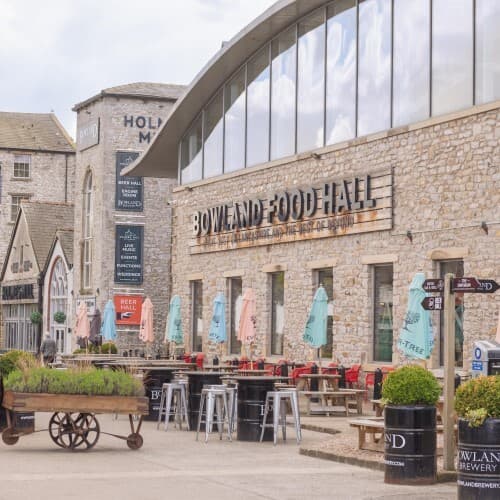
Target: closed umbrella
[(82, 325), (217, 332), (146, 333), (173, 331), (315, 330), (416, 339), (108, 326), (247, 328), (95, 327)]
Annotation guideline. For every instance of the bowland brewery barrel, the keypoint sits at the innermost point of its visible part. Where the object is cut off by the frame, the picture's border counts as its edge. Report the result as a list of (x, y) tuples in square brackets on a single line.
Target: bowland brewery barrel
[(410, 444), (478, 464), (196, 382)]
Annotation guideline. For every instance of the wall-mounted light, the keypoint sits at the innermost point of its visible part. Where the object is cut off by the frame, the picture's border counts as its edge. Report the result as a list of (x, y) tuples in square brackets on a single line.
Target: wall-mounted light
[(409, 235), (316, 156), (484, 226), (189, 188)]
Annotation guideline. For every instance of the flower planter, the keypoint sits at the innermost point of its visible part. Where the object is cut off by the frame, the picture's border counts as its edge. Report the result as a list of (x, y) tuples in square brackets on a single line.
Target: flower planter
[(478, 464), (410, 444)]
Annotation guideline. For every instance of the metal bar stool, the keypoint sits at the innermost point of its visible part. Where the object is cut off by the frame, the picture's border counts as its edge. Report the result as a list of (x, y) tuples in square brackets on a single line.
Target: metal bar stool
[(277, 401), (173, 401), (214, 403)]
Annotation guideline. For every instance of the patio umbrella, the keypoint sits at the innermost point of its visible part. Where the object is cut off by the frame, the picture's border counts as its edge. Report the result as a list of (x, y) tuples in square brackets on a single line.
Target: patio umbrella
[(82, 325), (173, 331), (416, 338), (146, 333), (108, 326), (315, 330), (217, 332), (248, 319), (95, 327)]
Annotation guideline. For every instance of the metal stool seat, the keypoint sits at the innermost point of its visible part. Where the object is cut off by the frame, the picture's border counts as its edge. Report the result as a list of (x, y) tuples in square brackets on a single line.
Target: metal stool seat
[(277, 402), (173, 401), (214, 404)]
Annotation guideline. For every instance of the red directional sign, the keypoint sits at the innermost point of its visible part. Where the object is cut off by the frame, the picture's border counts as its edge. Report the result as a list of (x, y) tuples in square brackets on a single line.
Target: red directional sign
[(487, 286), (465, 285), (433, 303), (433, 285)]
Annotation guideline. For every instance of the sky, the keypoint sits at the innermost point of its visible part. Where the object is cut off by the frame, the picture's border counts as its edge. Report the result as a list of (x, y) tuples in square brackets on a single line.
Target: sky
[(56, 53)]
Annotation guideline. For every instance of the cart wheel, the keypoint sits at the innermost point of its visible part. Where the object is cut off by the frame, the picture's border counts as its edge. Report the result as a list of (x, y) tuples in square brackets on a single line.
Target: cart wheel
[(74, 430), (134, 441), (10, 436), (59, 425)]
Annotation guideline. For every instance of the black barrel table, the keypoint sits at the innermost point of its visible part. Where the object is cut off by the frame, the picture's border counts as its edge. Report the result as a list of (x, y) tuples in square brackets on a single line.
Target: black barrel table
[(251, 400), (196, 381)]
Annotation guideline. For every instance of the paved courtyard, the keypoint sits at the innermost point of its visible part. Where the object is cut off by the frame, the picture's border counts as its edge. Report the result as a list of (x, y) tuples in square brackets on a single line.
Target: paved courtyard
[(173, 465)]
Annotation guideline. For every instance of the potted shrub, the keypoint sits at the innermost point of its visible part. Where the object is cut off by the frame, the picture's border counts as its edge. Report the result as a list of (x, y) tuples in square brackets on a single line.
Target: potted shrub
[(36, 317), (477, 403), (59, 317), (410, 395)]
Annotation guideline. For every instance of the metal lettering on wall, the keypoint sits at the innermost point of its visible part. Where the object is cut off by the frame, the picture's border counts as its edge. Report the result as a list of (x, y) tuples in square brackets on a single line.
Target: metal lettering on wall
[(335, 208), (128, 254), (129, 190)]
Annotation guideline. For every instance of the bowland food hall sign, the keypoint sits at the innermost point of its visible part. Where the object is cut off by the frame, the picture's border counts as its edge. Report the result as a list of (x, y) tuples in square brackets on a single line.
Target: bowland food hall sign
[(336, 208)]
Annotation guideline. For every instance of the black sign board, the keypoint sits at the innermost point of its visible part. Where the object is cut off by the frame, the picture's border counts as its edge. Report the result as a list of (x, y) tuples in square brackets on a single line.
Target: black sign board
[(433, 303), (128, 254), (433, 285), (487, 286), (465, 285), (129, 190)]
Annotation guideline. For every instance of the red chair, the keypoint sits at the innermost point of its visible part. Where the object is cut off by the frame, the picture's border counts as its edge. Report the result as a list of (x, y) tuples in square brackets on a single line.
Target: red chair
[(352, 376), (199, 360), (299, 371), (187, 358), (331, 369)]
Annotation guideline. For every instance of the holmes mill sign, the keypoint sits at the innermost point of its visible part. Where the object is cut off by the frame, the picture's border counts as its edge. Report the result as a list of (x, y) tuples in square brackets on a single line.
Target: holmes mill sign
[(336, 208)]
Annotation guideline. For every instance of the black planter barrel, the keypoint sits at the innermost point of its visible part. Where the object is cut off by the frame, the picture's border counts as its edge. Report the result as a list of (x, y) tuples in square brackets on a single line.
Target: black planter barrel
[(410, 444), (251, 400), (479, 460), (196, 382), (154, 378)]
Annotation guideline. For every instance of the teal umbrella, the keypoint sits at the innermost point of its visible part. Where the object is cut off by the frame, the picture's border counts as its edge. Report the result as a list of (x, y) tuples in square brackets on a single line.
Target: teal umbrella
[(217, 332), (174, 322), (108, 326), (416, 339), (315, 330)]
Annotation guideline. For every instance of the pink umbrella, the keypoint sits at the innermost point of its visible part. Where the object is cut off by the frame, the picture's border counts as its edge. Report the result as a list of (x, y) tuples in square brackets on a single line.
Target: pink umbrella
[(248, 319), (82, 326), (146, 333)]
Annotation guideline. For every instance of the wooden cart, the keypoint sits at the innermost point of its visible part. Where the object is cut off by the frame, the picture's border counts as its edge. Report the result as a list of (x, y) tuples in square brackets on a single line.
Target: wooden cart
[(74, 425)]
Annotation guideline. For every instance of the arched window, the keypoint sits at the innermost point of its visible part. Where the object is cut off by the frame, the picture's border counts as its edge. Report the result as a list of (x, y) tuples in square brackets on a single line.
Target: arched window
[(87, 232), (58, 302)]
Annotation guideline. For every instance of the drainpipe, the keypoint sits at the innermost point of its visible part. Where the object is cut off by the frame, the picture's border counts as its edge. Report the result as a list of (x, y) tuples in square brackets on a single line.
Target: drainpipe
[(40, 309), (66, 179)]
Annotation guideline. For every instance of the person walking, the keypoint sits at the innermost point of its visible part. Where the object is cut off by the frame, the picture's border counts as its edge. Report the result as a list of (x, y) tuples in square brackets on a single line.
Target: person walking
[(48, 349)]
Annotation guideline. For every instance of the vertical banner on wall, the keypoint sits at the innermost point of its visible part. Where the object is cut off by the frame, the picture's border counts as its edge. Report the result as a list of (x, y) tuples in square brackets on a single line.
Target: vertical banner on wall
[(129, 190), (128, 254)]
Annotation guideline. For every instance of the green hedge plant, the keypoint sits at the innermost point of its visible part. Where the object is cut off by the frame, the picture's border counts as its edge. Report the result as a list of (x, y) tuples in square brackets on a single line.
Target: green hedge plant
[(13, 360), (477, 399), (59, 317), (410, 385), (36, 317)]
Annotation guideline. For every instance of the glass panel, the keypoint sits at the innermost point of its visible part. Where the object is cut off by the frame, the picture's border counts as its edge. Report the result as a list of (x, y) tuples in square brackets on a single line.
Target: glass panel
[(383, 320), (191, 156), (258, 95), (457, 268), (284, 65), (277, 312), (197, 325), (236, 301), (310, 82), (212, 164), (341, 72), (411, 61), (325, 278), (487, 46), (234, 143), (374, 80), (451, 55)]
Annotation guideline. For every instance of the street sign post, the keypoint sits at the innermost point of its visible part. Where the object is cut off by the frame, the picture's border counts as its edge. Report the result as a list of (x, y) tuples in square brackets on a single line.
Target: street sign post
[(433, 303), (487, 286), (433, 285), (465, 285)]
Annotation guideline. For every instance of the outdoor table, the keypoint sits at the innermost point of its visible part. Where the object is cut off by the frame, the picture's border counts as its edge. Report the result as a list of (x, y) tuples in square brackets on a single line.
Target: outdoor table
[(252, 372), (327, 381), (331, 401), (252, 391), (218, 368)]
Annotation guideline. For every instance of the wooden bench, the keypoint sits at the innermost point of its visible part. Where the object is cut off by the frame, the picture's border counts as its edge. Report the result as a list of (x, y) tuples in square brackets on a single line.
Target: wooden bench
[(330, 401)]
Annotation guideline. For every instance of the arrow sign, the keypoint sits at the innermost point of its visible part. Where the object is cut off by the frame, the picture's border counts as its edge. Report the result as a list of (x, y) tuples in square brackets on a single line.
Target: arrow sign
[(433, 285), (487, 286), (433, 303), (465, 285)]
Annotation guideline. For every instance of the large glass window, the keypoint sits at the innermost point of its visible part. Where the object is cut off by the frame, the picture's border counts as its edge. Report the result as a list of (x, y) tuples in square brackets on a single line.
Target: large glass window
[(452, 55), (311, 82), (22, 166), (411, 100), (457, 268), (382, 313), (87, 232), (191, 154), (234, 143), (235, 289), (258, 100), (325, 278), (20, 333), (58, 303), (197, 315), (213, 136), (15, 205), (341, 72), (277, 312), (374, 79), (487, 47), (284, 66)]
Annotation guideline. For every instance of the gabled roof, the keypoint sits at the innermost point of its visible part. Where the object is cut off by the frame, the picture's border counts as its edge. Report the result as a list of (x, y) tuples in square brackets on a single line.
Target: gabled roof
[(34, 132), (139, 90), (65, 238)]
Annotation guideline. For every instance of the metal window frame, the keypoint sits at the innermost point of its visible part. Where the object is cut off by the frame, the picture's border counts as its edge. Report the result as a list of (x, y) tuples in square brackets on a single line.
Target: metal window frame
[(194, 332), (374, 268), (272, 315)]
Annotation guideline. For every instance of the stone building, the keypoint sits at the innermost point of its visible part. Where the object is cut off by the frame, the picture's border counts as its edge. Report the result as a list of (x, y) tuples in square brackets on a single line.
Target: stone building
[(122, 226), (343, 143)]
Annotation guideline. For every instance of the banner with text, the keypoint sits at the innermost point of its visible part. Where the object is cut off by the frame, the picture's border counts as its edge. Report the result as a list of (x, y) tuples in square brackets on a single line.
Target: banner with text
[(129, 190), (128, 254)]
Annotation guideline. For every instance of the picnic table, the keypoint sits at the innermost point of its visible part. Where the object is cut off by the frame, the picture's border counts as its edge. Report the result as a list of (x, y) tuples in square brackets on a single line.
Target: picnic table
[(333, 401), (326, 381)]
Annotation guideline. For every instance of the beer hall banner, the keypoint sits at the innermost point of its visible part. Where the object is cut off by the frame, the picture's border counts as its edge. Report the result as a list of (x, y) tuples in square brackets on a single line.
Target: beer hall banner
[(129, 190), (335, 208)]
